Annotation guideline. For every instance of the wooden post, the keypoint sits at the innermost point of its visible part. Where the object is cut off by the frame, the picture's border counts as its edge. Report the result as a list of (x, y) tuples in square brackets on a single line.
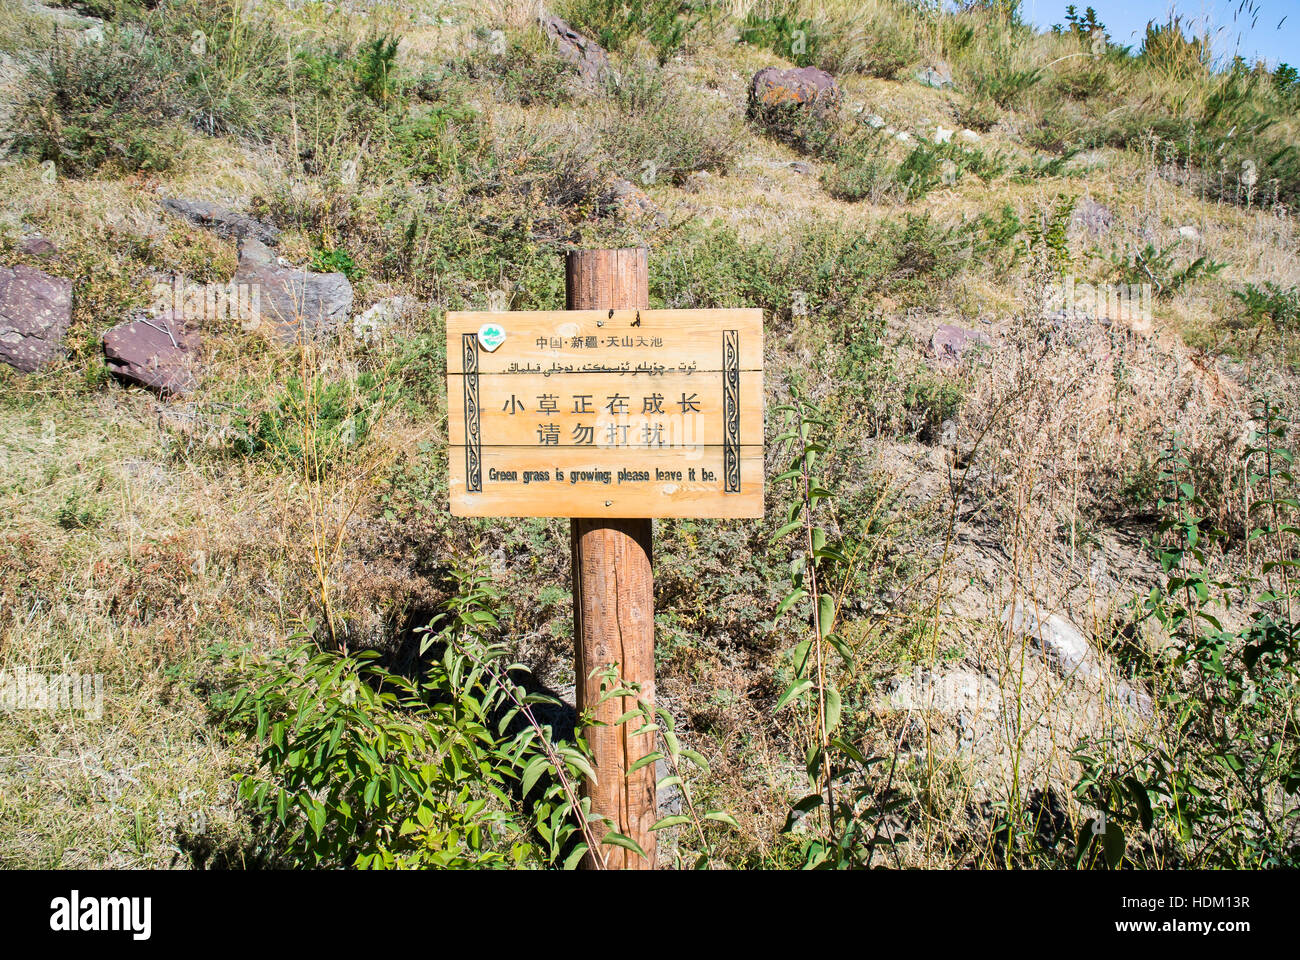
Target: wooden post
[(613, 601)]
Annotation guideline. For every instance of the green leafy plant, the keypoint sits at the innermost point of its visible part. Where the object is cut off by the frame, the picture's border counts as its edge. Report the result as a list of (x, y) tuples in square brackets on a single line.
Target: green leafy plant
[(1050, 232), (665, 24), (1215, 784), (1270, 304), (376, 69), (1156, 266), (360, 766), (313, 423), (845, 804), (784, 33), (77, 512), (335, 260), (116, 103)]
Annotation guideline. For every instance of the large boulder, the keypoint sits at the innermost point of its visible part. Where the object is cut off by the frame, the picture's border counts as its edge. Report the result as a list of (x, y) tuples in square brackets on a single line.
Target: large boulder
[(227, 223), (586, 55), (159, 353), (35, 310), (294, 303), (773, 91)]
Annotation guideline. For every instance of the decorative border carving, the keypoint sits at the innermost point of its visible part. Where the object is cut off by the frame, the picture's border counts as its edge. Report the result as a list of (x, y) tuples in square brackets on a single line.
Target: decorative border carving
[(473, 440), (731, 411)]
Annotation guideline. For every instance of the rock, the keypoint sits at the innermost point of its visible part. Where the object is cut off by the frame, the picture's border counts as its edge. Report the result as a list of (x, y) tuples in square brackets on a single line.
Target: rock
[(942, 135), (35, 310), (670, 800), (1063, 646), (589, 57), (371, 325), (1091, 217), (903, 136), (697, 181), (951, 342), (227, 223), (949, 693), (970, 136), (801, 168), (874, 121), (971, 702), (1189, 232), (159, 353), (37, 246), (293, 300), (938, 75), (630, 202), (773, 89)]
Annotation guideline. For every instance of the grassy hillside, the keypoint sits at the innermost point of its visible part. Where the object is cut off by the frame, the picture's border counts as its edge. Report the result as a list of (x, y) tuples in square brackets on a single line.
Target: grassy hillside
[(252, 567)]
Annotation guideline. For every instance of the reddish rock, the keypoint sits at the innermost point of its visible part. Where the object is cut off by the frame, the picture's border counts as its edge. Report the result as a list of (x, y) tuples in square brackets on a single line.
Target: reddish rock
[(158, 353), (589, 57), (773, 90), (37, 246), (951, 342), (35, 310), (629, 201)]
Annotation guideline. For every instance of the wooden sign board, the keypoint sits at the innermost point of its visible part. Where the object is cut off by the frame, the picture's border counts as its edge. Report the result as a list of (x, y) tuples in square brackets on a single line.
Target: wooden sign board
[(606, 413)]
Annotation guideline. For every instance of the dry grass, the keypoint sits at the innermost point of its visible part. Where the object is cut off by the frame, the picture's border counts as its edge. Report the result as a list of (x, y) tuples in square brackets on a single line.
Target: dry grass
[(193, 548)]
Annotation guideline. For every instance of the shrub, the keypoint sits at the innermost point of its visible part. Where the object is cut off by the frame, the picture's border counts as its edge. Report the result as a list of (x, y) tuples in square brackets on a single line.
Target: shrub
[(117, 102), (1156, 266), (363, 767), (1216, 785), (1271, 304), (809, 131), (785, 34), (527, 71), (1167, 48), (664, 24), (312, 425), (651, 128), (881, 47), (863, 170)]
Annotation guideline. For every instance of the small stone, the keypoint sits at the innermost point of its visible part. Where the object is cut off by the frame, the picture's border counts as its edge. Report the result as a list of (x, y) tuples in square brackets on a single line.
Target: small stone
[(1063, 646), (938, 75), (37, 246), (629, 201), (799, 167), (697, 181), (951, 342), (942, 135), (970, 136), (874, 121), (371, 325), (1189, 232), (1091, 217)]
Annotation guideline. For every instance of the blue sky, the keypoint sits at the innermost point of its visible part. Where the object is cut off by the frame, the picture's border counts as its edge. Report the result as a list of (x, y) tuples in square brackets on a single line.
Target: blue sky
[(1256, 35)]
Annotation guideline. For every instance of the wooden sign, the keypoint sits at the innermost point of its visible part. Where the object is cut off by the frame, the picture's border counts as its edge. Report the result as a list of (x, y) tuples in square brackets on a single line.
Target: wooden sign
[(606, 413)]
